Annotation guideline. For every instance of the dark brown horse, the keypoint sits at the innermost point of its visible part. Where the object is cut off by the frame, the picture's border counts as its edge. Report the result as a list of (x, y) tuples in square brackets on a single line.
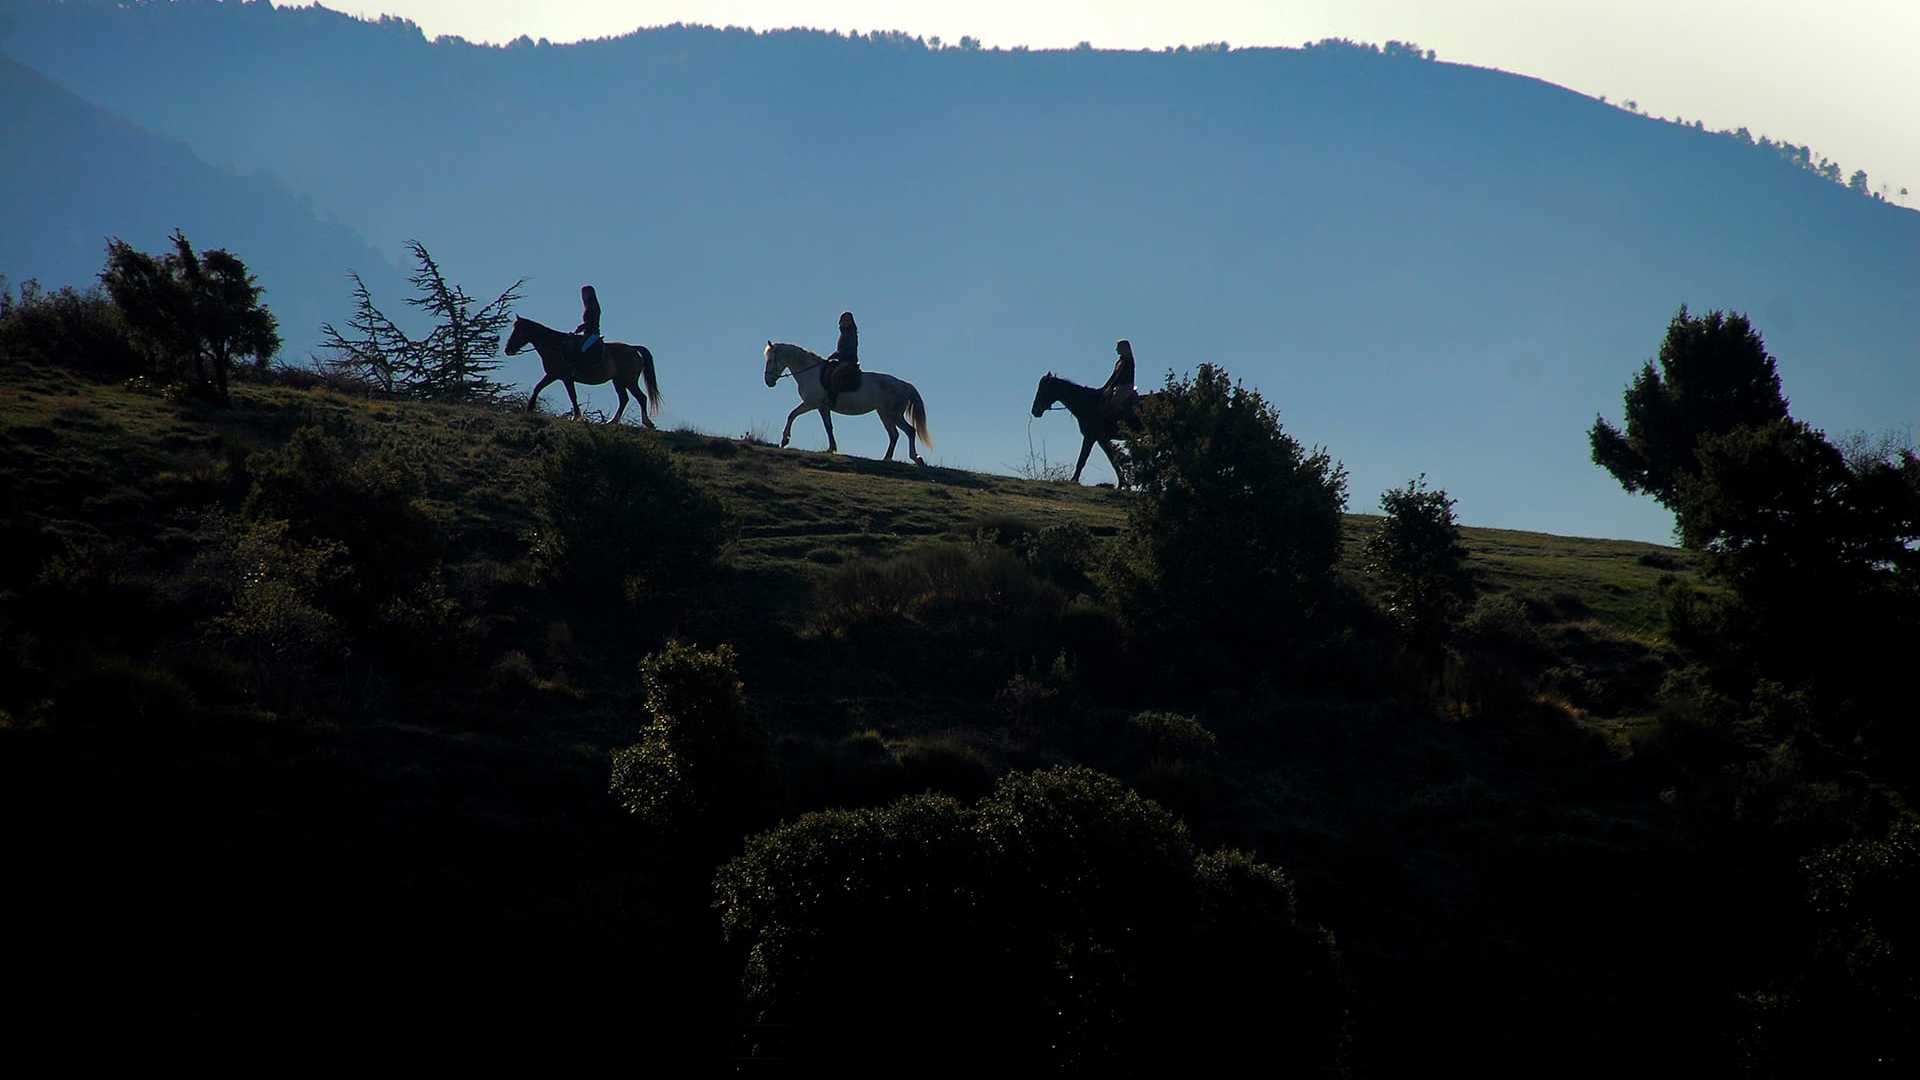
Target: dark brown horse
[(622, 365), (1098, 424)]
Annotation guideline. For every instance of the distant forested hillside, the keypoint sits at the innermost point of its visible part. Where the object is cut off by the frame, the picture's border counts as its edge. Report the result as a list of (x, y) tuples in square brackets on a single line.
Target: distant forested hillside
[(76, 175), (1428, 266)]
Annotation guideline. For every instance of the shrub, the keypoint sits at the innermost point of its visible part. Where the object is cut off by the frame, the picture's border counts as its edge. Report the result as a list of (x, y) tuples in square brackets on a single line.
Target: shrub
[(622, 517), (937, 583), (1062, 554), (1417, 556), (276, 618), (945, 763), (836, 904), (1062, 920), (702, 767), (72, 330), (328, 490), (1170, 736), (118, 699), (1231, 545)]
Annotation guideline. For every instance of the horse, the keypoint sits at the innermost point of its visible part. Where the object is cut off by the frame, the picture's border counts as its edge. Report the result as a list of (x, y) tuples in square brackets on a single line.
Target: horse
[(896, 400), (560, 356), (1088, 406)]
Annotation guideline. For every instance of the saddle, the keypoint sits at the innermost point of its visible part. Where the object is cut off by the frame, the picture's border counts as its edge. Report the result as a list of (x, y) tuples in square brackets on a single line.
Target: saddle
[(841, 377)]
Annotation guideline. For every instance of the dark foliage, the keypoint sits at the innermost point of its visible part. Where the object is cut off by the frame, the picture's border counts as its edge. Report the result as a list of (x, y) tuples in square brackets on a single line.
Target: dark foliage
[(1230, 546), (327, 488), (1417, 556), (702, 772), (194, 313), (79, 331), (1062, 920), (622, 519), (456, 359), (1715, 375)]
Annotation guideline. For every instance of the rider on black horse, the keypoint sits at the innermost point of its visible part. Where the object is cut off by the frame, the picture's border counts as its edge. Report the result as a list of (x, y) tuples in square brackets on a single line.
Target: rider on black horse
[(1118, 391), (589, 327), (843, 367)]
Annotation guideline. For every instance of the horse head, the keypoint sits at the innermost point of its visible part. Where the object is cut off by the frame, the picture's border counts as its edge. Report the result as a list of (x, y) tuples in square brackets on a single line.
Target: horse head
[(773, 365), (1045, 395), (522, 333)]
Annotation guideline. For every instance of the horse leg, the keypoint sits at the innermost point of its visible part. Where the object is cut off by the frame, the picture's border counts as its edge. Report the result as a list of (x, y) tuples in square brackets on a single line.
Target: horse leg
[(893, 434), (621, 411), (646, 421), (1113, 459), (912, 451), (1086, 447), (787, 434), (826, 418), (575, 398), (537, 387)]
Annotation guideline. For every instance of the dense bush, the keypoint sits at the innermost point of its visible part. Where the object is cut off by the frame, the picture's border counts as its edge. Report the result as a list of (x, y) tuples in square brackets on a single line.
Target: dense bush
[(329, 489), (935, 583), (68, 329), (194, 313), (1419, 561), (702, 770), (1230, 547), (1062, 920), (620, 517)]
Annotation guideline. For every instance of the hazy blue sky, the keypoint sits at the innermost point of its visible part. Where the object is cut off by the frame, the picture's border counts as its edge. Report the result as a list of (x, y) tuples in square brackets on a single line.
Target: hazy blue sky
[(1839, 75)]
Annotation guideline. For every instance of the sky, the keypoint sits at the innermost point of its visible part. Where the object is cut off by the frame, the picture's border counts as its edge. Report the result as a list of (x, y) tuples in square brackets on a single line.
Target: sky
[(1838, 75)]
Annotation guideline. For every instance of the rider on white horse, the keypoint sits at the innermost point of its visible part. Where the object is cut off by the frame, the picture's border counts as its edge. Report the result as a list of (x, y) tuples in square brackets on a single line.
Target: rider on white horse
[(843, 366)]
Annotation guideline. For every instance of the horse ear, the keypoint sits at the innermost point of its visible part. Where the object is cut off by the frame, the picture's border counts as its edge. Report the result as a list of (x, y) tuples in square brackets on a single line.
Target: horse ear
[(769, 343)]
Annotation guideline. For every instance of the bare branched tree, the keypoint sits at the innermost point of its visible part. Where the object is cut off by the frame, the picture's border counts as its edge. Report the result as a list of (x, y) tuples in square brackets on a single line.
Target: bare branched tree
[(459, 357), (454, 361), (377, 351)]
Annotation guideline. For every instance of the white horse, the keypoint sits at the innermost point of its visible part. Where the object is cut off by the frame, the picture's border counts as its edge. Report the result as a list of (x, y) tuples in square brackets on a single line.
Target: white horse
[(894, 399)]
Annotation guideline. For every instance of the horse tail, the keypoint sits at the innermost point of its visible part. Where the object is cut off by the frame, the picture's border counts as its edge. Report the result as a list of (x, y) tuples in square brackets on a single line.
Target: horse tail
[(918, 409), (646, 372)]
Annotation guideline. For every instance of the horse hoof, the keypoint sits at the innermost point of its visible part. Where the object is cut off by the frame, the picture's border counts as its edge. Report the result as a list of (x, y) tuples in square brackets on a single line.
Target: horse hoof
[(650, 425)]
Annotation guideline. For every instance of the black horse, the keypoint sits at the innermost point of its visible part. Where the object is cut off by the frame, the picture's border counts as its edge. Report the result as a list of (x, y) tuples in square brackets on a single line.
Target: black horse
[(1088, 405), (622, 365)]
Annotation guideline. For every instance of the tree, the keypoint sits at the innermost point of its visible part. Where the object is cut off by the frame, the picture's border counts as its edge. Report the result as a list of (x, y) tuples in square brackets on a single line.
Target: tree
[(378, 351), (193, 312), (1231, 544), (702, 769), (453, 362), (1417, 555), (457, 359), (1858, 181), (1819, 548), (1715, 375)]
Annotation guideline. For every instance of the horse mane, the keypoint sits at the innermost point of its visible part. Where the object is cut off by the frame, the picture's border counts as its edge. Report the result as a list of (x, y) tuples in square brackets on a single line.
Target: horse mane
[(778, 346)]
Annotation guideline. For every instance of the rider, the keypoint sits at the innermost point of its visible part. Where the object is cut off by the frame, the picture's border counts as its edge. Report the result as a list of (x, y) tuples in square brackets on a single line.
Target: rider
[(1119, 387), (589, 327), (843, 367)]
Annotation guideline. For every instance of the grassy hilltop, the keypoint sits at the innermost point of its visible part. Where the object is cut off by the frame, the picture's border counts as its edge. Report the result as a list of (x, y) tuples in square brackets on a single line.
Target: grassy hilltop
[(430, 776)]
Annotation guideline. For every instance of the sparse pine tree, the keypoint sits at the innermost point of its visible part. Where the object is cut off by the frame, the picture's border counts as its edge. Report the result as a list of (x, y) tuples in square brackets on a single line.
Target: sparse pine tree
[(453, 362), (377, 351), (457, 359)]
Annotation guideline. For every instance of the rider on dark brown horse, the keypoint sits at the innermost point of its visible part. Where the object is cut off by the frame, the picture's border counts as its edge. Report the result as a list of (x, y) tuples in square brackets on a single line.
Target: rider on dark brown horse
[(589, 327), (1119, 386), (843, 367)]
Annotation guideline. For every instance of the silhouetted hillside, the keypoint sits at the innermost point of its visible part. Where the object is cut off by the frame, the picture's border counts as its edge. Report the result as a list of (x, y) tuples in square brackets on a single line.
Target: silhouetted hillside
[(76, 175), (1428, 266)]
